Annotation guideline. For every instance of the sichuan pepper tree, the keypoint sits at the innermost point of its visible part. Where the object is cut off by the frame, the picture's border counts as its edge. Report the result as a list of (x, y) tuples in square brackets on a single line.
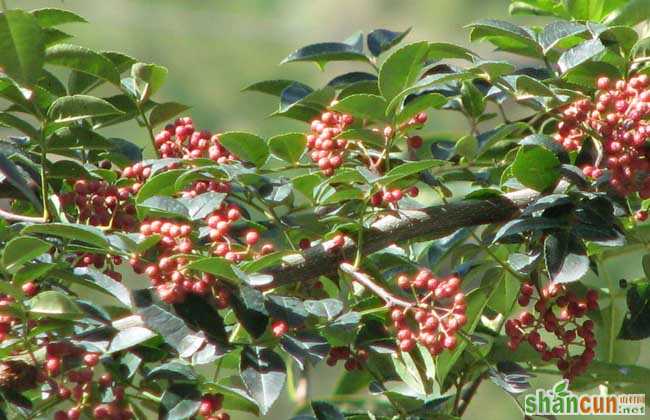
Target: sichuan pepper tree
[(201, 278)]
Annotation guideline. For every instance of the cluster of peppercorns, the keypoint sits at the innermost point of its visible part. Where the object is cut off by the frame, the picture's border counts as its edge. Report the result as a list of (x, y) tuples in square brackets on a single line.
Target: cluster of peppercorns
[(354, 360), (619, 118), (558, 311), (210, 405), (435, 317), (392, 196), (327, 151), (99, 261), (99, 203), (78, 384), (181, 140)]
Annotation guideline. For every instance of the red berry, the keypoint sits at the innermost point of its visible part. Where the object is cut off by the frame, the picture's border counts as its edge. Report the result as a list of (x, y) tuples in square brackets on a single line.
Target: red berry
[(279, 328)]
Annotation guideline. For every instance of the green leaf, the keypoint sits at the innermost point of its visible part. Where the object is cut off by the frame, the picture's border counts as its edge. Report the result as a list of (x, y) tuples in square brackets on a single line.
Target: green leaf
[(22, 249), (401, 69), (49, 17), (536, 167), (164, 112), (630, 13), (75, 232), (420, 104), (566, 258), (263, 373), (288, 147), (363, 106), (19, 180), (246, 146), (129, 337), (99, 280), (54, 304), (286, 308), (505, 35), (579, 54), (326, 411), (22, 46), (159, 184), (179, 402), (217, 266), (149, 78), (472, 99), (273, 87), (442, 50), (79, 107), (407, 169), (636, 325), (324, 52), (202, 205), (365, 135), (84, 60), (172, 371), (467, 147), (557, 31), (10, 120), (381, 40), (305, 347), (585, 9), (343, 329), (507, 290), (162, 206), (325, 308), (533, 87), (517, 226)]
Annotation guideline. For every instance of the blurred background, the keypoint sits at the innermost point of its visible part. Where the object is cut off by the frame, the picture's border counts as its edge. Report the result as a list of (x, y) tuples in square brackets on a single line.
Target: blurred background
[(214, 48)]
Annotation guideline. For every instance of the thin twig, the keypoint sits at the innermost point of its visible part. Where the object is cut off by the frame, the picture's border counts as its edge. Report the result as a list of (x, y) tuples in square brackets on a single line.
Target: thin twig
[(12, 217), (367, 282)]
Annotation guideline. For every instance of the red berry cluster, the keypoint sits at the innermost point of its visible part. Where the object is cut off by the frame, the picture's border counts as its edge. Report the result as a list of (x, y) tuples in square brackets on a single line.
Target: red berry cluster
[(619, 117), (99, 203), (210, 404), (386, 197), (437, 316), (78, 384), (353, 359), (558, 311), (324, 148), (105, 262), (181, 140)]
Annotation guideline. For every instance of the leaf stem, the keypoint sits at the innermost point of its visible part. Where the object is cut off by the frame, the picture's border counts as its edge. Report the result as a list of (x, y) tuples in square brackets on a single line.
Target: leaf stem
[(46, 215), (496, 258), (147, 124)]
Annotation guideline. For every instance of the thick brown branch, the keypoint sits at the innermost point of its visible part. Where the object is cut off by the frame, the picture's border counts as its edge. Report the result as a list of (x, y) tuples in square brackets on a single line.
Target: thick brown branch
[(429, 223)]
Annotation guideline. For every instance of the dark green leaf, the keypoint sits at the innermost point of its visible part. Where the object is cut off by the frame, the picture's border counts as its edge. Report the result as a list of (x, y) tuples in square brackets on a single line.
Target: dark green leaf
[(518, 226), (472, 99), (105, 283), (179, 402), (10, 120), (159, 184), (172, 371), (217, 266), (407, 169), (129, 337), (326, 411), (249, 307), (381, 40), (343, 329), (288, 309), (325, 308), (273, 87), (442, 50), (325, 52), (419, 104), (162, 206), (263, 373), (566, 258), (16, 178), (636, 325), (305, 347), (202, 205)]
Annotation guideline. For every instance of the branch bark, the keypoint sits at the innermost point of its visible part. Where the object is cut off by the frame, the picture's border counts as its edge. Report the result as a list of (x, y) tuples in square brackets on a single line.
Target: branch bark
[(429, 223)]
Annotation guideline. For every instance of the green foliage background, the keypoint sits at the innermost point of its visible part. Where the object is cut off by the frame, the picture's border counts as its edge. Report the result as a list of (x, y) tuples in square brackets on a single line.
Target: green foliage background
[(214, 48)]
